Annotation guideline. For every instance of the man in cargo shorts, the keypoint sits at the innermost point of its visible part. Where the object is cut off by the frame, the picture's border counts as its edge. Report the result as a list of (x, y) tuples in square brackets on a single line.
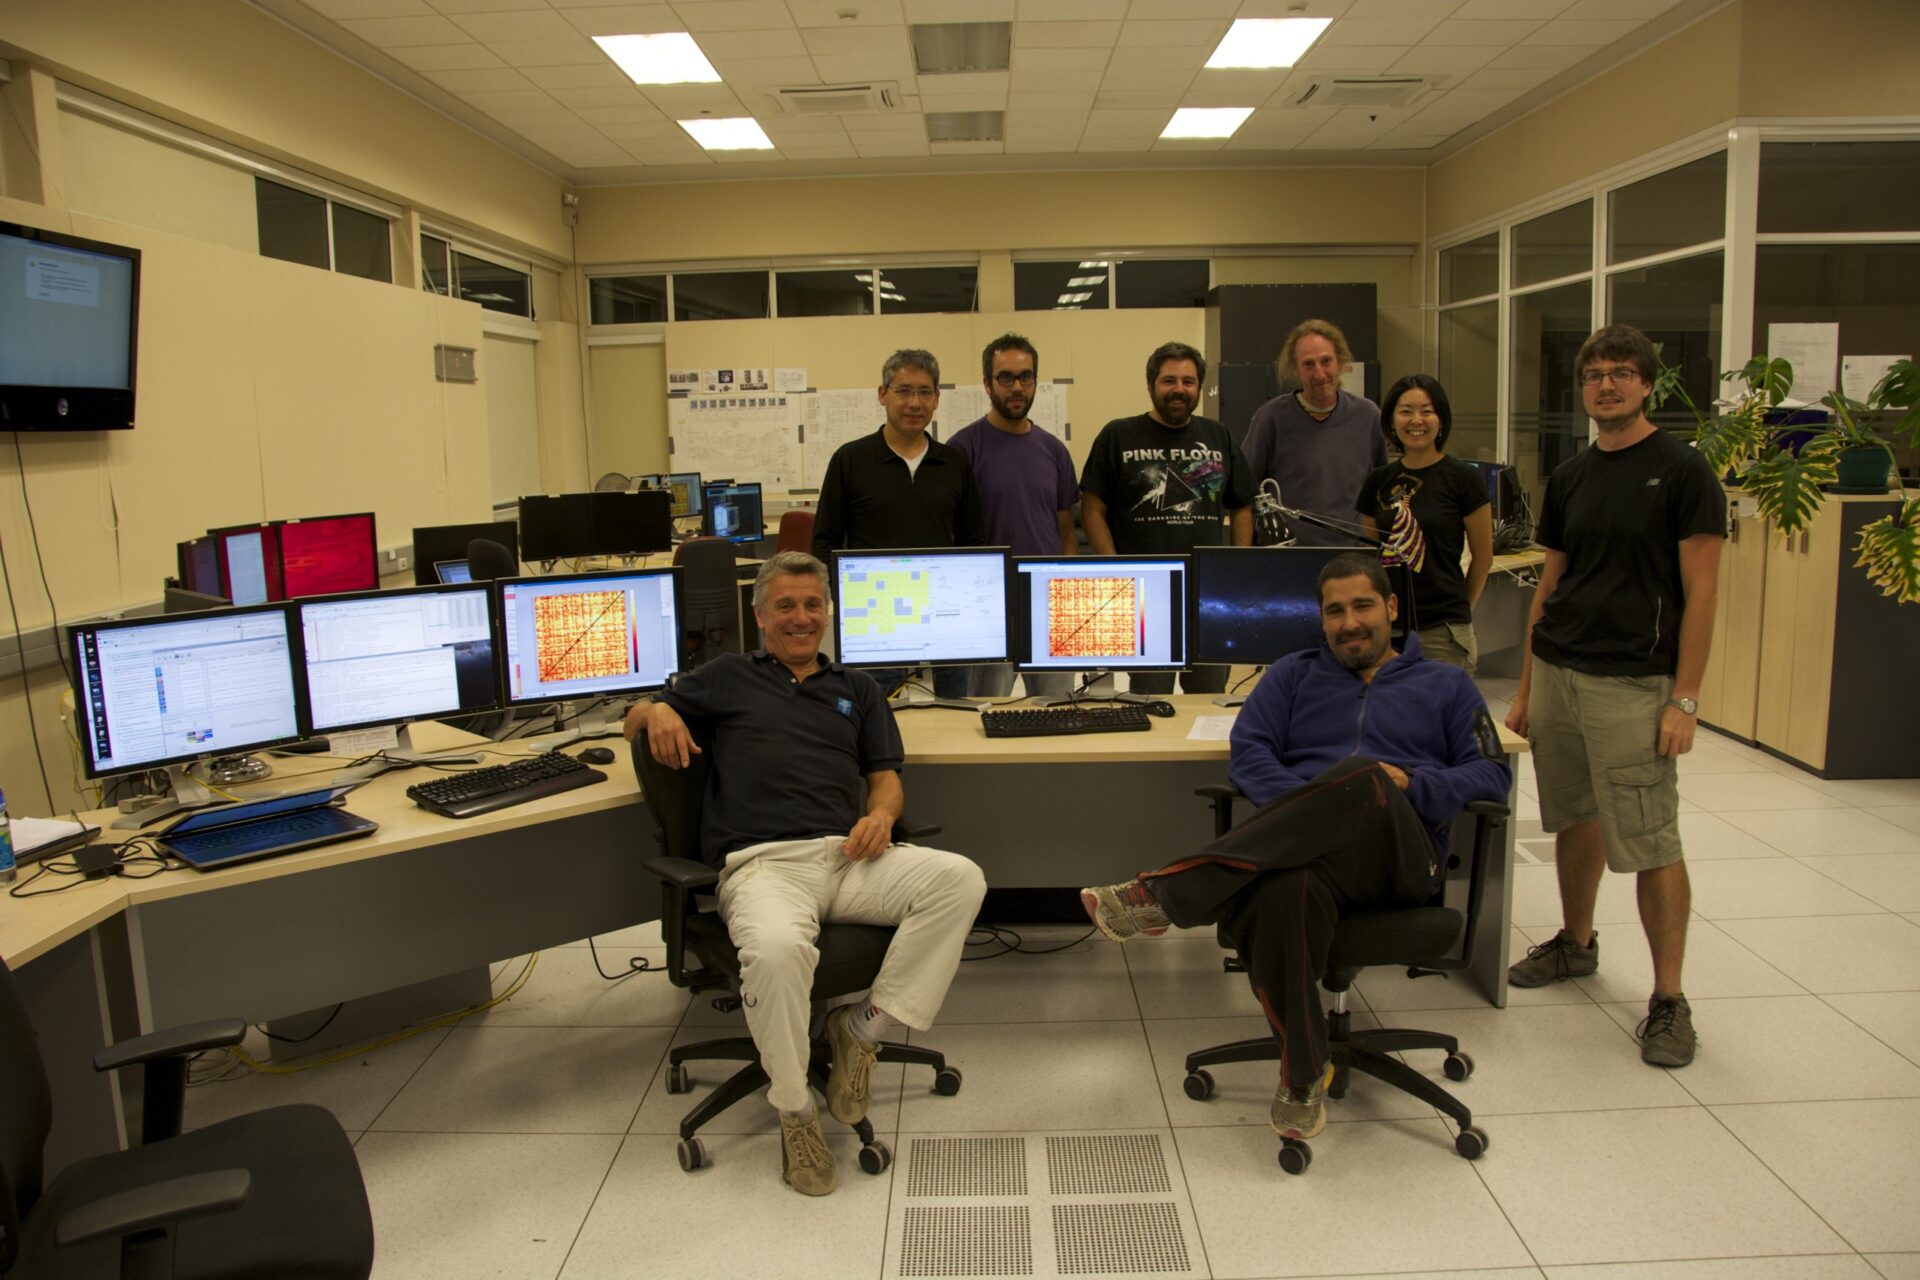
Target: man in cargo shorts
[(1619, 631)]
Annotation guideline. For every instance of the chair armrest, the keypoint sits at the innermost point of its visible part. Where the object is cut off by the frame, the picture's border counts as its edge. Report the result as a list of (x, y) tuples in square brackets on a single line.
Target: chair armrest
[(157, 1204), (683, 874), (907, 829), (1218, 791), (1221, 795), (171, 1042), (1487, 808)]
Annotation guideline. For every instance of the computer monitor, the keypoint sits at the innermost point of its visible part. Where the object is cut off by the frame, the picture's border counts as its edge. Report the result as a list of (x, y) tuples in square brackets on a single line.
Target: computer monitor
[(453, 571), (630, 524), (328, 555), (1099, 613), (181, 600), (555, 527), (733, 511), (941, 607), (250, 563), (589, 635), (199, 561), (437, 542), (685, 487), (151, 693), (390, 657), (1502, 491), (1255, 605)]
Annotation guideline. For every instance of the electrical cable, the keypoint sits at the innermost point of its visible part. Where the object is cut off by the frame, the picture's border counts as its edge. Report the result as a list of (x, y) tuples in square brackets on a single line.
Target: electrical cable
[(310, 1035), (635, 964), (26, 676)]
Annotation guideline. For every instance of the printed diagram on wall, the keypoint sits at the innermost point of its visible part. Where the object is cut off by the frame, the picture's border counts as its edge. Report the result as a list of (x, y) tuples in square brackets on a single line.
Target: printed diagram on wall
[(749, 437)]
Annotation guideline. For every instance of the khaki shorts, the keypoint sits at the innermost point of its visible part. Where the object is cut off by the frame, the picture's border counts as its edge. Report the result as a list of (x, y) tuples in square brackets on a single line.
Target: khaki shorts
[(1596, 756), (1452, 642)]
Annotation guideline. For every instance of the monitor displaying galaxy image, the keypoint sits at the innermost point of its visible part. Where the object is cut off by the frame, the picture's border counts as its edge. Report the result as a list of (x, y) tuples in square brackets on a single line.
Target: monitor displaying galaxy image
[(1255, 605)]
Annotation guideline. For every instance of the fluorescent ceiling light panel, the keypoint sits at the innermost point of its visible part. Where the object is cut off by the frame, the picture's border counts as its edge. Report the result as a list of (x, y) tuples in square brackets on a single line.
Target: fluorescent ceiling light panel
[(1074, 297), (733, 133), (1206, 122), (1266, 42), (670, 58), (1092, 266), (1081, 282)]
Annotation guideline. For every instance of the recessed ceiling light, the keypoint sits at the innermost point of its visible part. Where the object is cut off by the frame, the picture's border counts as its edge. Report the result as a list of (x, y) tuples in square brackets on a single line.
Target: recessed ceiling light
[(1206, 122), (1081, 282), (669, 58), (894, 297), (1093, 266), (1266, 42), (1074, 297), (733, 133)]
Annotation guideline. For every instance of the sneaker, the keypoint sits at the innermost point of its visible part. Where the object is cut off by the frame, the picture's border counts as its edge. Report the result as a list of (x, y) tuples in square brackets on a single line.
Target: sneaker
[(1122, 911), (1301, 1113), (848, 1088), (806, 1163), (1556, 960), (1666, 1033)]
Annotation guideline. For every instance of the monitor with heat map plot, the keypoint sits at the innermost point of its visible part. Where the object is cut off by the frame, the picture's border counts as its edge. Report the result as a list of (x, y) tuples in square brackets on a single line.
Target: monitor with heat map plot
[(1104, 613), (589, 635), (905, 608)]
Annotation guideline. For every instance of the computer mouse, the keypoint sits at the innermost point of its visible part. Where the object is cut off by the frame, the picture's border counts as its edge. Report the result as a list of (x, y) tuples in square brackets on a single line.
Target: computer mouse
[(603, 755), (1160, 708)]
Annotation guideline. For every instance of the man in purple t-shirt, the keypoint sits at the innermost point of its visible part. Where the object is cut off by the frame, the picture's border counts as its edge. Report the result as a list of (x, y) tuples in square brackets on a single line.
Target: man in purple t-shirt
[(1027, 486)]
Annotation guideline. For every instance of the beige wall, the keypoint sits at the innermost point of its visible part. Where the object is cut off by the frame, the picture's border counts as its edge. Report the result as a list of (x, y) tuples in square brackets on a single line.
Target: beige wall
[(1839, 58), (629, 391)]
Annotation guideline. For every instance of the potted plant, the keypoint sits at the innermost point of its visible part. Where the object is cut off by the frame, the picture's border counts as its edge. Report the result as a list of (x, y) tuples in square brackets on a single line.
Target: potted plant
[(1786, 483)]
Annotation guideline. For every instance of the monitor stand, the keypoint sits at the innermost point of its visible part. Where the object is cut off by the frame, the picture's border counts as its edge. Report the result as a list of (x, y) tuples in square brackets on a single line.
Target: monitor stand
[(598, 722), (1229, 699), (920, 699), (191, 793), (403, 752), (1094, 677)]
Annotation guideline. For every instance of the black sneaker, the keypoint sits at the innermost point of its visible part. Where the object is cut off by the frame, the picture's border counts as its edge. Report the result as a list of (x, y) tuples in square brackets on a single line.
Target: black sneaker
[(1666, 1033), (1556, 960)]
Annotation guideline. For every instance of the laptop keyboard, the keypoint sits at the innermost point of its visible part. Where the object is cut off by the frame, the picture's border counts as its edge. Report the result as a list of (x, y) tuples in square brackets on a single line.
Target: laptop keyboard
[(285, 828)]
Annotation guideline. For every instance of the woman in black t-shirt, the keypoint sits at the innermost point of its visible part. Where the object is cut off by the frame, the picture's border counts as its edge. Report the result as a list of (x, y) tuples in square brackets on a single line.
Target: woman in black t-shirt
[(1426, 508)]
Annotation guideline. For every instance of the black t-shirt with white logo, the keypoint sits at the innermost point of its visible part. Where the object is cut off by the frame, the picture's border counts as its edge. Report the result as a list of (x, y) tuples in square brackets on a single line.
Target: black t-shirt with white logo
[(1166, 489), (1422, 518), (1620, 517)]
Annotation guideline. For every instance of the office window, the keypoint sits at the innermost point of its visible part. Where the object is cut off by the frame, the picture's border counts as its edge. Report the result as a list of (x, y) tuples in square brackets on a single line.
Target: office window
[(362, 244), (1469, 368), (1553, 245), (1677, 305), (1671, 210), (720, 295), (1061, 286), (1839, 186), (842, 292), (293, 224), (1470, 270), (1161, 282), (1547, 421), (923, 290), (493, 286), (1867, 289), (436, 265), (627, 299)]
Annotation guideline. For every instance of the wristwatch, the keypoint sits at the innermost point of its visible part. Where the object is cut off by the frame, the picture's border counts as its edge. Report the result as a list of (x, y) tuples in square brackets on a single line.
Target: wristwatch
[(1690, 706)]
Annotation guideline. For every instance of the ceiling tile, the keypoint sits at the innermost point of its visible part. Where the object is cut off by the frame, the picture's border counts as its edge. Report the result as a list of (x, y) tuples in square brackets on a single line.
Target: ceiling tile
[(766, 72), (1046, 61), (1480, 101), (1040, 145), (1072, 10), (1361, 31), (1161, 100), (481, 6), (1115, 143), (1352, 59), (339, 9), (964, 102), (1459, 60), (1411, 142), (966, 148), (554, 137), (1480, 33), (638, 111), (1023, 81), (624, 20), (1185, 60), (683, 101), (480, 78), (890, 146), (1166, 35), (576, 51), (491, 100), (735, 15), (526, 24), (960, 10), (777, 42), (1496, 10), (781, 128), (538, 118), (1078, 101), (1127, 119), (826, 13), (1140, 81), (603, 76), (447, 57), (1603, 10), (683, 151), (398, 33), (1514, 81), (1188, 144), (741, 156), (1064, 35), (649, 131), (839, 149), (1241, 142), (1045, 120), (965, 84), (1593, 35), (858, 67), (854, 42), (1541, 57), (1393, 10), (909, 124), (1180, 10)]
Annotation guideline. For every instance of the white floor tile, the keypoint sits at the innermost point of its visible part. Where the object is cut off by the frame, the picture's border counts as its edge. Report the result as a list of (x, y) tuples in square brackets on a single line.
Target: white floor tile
[(1652, 1185), (1074, 1075), (1748, 888), (1716, 755), (1821, 832), (1730, 793), (616, 946), (1906, 816), (1896, 1266), (1709, 836), (1837, 953), (1838, 1266), (1716, 965), (1560, 1058), (660, 1112), (1892, 1016), (449, 1206), (1389, 990), (355, 1089), (1871, 792), (1238, 1188), (1086, 983), (733, 1219), (530, 1080), (1182, 978), (1889, 880), (1757, 1050), (566, 990), (1852, 1161)]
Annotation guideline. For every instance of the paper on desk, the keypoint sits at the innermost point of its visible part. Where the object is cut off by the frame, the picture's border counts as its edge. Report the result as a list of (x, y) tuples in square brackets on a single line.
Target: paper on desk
[(1210, 728), (1859, 375), (31, 833)]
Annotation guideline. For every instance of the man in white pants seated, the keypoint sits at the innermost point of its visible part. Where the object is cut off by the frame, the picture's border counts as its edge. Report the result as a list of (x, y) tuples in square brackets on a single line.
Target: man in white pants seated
[(796, 738)]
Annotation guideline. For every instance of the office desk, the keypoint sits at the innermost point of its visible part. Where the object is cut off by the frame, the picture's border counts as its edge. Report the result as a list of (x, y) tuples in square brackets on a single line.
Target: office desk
[(1500, 619)]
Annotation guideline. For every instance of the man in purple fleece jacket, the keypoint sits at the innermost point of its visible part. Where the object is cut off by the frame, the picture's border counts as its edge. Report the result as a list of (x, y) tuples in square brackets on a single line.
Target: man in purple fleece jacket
[(1359, 758)]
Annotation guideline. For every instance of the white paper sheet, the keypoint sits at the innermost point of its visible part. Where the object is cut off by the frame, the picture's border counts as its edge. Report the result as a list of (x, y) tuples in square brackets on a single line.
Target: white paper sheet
[(1814, 352), (1859, 375), (1211, 728)]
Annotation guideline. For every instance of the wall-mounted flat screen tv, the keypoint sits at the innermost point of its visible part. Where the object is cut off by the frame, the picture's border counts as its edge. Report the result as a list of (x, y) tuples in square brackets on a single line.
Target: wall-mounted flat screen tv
[(69, 320)]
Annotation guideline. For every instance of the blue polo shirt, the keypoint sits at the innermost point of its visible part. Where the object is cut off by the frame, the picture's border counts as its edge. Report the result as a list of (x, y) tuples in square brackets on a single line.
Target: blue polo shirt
[(789, 758)]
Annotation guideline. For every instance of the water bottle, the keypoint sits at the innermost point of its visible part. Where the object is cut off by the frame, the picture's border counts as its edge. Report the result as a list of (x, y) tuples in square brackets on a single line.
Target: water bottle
[(6, 843)]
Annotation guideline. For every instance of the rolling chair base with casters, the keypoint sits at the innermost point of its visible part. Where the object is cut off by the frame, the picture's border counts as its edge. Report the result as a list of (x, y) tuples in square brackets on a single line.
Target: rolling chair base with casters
[(1419, 938)]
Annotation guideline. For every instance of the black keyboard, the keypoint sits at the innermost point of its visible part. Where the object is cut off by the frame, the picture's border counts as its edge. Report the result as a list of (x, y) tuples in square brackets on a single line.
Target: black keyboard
[(462, 795), (1047, 722)]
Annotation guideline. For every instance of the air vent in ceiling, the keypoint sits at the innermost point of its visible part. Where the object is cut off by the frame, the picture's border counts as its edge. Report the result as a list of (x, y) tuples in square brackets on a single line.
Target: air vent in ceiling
[(966, 126), (836, 99), (943, 48), (1339, 91)]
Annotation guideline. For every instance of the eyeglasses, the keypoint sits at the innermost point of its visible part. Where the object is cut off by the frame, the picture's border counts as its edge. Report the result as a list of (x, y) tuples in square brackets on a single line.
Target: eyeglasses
[(1026, 379), (912, 394), (1619, 376)]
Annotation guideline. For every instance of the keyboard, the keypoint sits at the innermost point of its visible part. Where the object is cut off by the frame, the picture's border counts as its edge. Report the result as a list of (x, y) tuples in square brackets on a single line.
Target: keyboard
[(476, 791), (1047, 722), (293, 826)]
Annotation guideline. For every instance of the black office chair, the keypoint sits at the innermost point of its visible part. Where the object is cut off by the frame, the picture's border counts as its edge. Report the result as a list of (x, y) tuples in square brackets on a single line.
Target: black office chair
[(487, 560), (272, 1193), (1425, 940), (850, 956), (711, 624)]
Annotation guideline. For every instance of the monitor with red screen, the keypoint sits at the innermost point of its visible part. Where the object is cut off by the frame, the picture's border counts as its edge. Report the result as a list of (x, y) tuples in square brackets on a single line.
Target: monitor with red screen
[(250, 563), (326, 555)]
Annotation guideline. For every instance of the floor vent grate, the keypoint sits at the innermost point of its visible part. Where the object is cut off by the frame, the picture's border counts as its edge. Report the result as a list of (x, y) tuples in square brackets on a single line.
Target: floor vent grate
[(1107, 1164), (967, 1167), (1111, 1239), (966, 1240)]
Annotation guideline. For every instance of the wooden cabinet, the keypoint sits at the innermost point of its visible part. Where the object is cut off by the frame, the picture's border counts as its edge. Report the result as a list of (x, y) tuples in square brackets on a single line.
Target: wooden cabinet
[(1797, 632), (1730, 690)]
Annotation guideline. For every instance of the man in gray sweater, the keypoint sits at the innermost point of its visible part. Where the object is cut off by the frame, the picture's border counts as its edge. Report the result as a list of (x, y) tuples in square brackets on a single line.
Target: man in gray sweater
[(1317, 443)]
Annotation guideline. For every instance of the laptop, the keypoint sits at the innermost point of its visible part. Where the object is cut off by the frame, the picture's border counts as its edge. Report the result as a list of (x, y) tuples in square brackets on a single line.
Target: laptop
[(452, 571), (262, 828)]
